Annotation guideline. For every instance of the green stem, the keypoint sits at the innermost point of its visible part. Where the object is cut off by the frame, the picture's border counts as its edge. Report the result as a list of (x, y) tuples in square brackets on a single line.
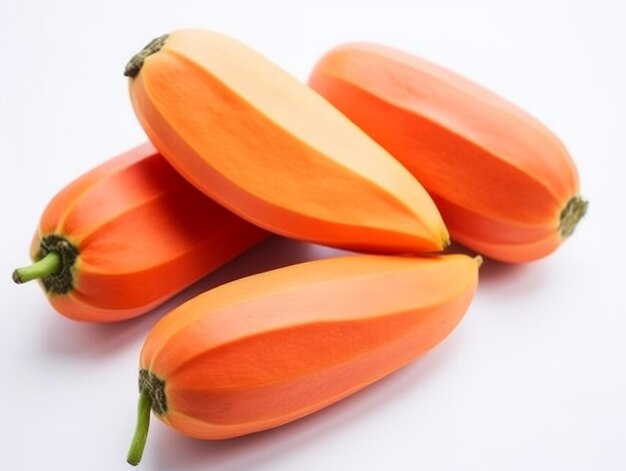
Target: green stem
[(135, 451), (49, 265)]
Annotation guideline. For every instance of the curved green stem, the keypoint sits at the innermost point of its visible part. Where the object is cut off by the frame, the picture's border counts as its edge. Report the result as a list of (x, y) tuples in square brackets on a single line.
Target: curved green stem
[(135, 451), (49, 265)]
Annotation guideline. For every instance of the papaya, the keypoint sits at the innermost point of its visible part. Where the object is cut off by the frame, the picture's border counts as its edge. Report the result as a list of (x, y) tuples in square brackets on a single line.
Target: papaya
[(126, 236), (273, 151), (505, 184), (268, 349)]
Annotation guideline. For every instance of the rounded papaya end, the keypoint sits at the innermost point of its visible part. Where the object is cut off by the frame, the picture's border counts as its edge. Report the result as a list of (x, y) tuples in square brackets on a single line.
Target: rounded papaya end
[(136, 63), (151, 398), (479, 260), (573, 212), (54, 265)]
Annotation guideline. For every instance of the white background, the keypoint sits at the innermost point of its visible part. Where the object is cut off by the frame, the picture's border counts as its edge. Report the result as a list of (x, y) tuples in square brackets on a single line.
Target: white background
[(532, 379)]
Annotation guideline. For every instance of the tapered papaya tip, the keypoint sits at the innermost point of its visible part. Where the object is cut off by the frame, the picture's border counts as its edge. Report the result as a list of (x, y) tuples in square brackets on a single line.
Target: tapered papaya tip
[(573, 212), (136, 62)]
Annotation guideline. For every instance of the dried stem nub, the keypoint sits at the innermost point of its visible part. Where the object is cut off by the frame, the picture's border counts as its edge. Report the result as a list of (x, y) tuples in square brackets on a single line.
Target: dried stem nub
[(136, 63), (573, 212)]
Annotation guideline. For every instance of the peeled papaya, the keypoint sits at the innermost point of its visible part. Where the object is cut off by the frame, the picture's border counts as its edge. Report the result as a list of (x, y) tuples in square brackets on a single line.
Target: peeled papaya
[(265, 350), (273, 151), (127, 235), (505, 185)]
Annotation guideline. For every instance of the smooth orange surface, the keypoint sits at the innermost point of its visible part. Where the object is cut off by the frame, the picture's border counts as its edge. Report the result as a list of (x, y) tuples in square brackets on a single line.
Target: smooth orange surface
[(498, 176), (143, 234), (273, 151), (268, 349)]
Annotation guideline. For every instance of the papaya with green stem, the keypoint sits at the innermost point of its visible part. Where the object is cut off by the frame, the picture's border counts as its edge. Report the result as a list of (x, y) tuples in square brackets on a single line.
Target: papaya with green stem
[(128, 235), (271, 348)]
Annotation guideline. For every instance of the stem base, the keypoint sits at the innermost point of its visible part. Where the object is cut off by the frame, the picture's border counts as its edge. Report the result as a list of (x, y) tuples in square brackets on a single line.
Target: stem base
[(573, 212)]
